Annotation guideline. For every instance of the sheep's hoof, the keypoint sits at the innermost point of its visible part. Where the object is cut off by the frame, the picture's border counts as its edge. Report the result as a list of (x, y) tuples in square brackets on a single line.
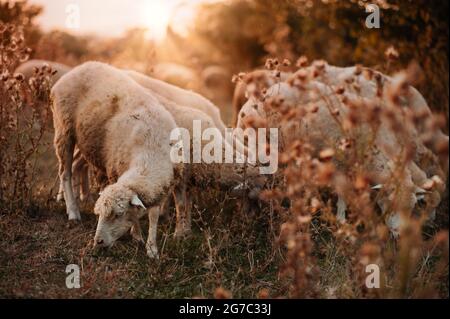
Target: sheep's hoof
[(341, 210), (74, 216), (152, 252), (59, 197)]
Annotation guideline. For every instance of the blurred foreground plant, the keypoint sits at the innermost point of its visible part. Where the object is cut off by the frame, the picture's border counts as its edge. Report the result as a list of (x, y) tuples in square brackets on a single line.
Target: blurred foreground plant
[(24, 117)]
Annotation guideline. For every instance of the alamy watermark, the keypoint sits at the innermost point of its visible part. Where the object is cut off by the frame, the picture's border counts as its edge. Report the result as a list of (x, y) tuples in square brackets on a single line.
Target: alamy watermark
[(373, 19), (73, 277), (373, 279), (210, 146)]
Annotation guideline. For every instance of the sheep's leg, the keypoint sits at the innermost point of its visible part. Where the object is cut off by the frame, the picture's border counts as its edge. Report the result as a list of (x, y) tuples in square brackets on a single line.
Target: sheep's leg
[(64, 151), (136, 231), (76, 185), (183, 208), (84, 184), (167, 203), (400, 206), (60, 195), (151, 246), (80, 171), (77, 178), (341, 207)]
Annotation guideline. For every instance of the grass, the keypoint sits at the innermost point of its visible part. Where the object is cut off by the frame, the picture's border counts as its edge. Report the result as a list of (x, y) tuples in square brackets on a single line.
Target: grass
[(227, 249), (36, 248)]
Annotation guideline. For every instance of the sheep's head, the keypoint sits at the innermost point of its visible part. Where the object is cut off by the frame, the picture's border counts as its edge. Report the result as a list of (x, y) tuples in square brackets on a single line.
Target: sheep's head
[(250, 109), (118, 209)]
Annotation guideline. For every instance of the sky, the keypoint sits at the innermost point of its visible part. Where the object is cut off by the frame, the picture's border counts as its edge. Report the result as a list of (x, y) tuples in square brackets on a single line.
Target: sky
[(114, 17)]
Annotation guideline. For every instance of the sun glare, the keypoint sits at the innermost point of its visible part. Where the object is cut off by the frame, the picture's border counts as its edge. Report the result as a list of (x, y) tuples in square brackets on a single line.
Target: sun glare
[(156, 17)]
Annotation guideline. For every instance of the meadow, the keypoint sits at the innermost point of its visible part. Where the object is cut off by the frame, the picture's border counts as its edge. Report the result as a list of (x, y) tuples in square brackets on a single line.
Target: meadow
[(288, 242)]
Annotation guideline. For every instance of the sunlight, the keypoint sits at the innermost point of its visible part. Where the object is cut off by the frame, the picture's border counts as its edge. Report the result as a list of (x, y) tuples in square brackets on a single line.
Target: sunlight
[(156, 17)]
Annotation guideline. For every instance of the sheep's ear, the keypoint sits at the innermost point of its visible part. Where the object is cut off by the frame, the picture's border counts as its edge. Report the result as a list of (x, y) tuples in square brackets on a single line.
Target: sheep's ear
[(135, 201)]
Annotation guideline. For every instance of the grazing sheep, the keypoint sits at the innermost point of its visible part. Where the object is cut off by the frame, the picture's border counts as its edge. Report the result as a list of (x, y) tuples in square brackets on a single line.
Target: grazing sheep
[(321, 130), (215, 76), (176, 74), (263, 78), (185, 98), (371, 85), (180, 96), (175, 94), (225, 175), (184, 116), (81, 182), (216, 83), (366, 82), (124, 132), (28, 69)]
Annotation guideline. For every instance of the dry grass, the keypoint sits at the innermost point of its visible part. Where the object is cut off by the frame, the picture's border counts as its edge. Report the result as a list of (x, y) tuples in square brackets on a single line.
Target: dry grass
[(289, 245), (224, 250)]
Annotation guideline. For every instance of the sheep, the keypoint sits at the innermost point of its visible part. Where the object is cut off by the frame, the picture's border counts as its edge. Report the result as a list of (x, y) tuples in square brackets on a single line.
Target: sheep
[(28, 69), (226, 175), (216, 83), (186, 98), (322, 127), (184, 116), (169, 92), (124, 132), (215, 76), (181, 96), (363, 81), (366, 82), (263, 78), (176, 74)]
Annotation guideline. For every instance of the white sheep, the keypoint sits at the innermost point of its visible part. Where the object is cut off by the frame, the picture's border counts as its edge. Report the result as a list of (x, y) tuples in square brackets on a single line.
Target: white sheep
[(164, 91), (321, 129), (262, 78), (176, 74), (366, 82), (195, 107), (123, 131), (356, 81), (180, 96), (226, 175), (187, 99), (215, 76), (28, 69)]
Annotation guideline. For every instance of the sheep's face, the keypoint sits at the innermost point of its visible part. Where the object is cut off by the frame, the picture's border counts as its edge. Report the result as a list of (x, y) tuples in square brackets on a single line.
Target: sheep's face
[(118, 208), (250, 109)]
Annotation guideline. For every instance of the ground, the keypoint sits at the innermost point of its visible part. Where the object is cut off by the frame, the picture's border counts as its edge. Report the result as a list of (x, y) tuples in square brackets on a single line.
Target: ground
[(35, 254)]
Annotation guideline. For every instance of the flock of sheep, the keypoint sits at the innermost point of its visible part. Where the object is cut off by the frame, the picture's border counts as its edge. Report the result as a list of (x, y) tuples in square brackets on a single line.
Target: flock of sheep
[(120, 121)]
